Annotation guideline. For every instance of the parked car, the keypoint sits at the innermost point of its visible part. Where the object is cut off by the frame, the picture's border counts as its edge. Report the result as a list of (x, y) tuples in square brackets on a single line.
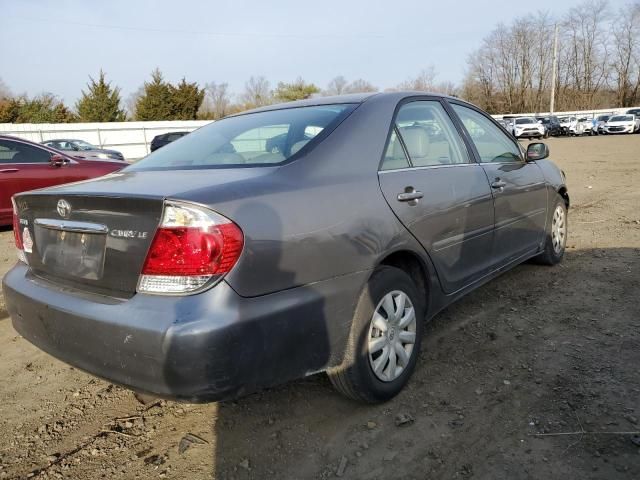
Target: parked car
[(583, 126), (599, 123), (26, 165), (575, 126), (82, 149), (551, 124), (636, 113), (566, 123), (166, 138), (214, 267), (622, 124), (527, 127)]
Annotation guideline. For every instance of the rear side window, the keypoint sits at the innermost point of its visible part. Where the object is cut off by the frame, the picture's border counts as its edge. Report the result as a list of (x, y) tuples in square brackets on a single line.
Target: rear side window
[(255, 139), (428, 135), (492, 143), (394, 157)]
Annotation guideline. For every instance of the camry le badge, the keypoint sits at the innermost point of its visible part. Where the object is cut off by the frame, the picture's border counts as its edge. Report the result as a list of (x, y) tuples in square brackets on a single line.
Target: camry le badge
[(64, 208)]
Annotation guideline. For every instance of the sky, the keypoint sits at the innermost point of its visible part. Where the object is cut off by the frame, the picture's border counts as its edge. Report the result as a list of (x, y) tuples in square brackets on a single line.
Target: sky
[(54, 45)]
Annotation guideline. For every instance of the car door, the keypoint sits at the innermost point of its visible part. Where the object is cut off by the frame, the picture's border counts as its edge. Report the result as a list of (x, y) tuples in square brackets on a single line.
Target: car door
[(24, 166), (438, 192), (518, 187)]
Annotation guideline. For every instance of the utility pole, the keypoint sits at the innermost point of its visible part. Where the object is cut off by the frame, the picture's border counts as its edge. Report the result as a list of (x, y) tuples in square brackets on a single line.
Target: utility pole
[(555, 72)]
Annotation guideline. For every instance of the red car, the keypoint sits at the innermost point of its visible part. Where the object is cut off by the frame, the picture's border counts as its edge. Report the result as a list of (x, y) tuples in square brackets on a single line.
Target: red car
[(26, 165)]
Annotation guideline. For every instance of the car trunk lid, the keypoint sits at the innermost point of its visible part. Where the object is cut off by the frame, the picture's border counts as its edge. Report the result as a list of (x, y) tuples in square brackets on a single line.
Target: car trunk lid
[(96, 243)]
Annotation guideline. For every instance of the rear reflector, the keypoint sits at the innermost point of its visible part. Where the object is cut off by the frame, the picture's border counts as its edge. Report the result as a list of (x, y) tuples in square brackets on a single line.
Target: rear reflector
[(193, 247), (17, 233)]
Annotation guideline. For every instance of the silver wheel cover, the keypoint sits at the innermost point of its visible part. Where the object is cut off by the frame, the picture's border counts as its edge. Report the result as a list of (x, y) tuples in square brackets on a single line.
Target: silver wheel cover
[(392, 335), (559, 229)]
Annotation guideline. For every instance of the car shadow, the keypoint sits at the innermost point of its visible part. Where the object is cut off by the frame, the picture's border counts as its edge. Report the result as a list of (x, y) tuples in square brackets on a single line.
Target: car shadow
[(461, 411)]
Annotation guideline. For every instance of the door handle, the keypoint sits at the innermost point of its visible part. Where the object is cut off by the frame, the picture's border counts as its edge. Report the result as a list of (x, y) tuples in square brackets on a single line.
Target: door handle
[(410, 195), (9, 170), (499, 184)]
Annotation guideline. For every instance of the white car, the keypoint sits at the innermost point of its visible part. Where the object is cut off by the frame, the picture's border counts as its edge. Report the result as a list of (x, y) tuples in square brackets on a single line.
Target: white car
[(580, 126), (622, 124), (565, 124), (527, 127)]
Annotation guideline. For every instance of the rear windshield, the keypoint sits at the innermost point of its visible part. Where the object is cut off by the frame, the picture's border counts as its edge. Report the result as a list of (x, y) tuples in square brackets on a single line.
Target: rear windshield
[(254, 139)]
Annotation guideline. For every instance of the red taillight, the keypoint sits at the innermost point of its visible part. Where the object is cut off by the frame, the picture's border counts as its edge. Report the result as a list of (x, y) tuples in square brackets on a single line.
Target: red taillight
[(184, 251), (192, 246)]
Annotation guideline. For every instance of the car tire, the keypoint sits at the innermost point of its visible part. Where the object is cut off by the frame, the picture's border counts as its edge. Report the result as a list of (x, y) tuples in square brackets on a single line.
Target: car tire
[(556, 235), (356, 377)]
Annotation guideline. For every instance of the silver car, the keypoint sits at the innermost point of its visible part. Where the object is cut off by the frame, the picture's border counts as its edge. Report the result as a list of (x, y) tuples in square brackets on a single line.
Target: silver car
[(230, 261), (82, 149)]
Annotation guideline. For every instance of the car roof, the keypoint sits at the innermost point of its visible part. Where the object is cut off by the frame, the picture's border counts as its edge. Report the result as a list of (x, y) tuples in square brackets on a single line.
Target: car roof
[(348, 98), (64, 140)]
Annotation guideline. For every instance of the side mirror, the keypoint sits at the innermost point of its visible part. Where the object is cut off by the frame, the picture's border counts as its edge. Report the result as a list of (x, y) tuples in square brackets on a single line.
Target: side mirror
[(57, 160), (537, 151)]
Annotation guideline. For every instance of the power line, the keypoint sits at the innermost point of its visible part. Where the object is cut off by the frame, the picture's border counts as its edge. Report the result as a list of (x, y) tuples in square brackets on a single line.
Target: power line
[(196, 32)]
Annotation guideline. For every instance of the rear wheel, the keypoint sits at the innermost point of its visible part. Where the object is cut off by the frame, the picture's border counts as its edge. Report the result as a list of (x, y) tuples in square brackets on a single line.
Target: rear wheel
[(385, 338), (556, 240)]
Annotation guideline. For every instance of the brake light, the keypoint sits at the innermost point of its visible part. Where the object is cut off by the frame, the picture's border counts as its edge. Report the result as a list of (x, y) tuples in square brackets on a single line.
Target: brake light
[(193, 247), (16, 232)]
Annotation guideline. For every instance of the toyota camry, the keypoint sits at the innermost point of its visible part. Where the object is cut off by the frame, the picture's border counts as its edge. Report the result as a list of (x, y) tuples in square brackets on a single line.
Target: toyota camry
[(313, 236)]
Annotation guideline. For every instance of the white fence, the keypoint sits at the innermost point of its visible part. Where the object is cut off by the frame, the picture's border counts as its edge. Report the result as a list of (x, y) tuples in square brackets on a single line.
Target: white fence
[(133, 139)]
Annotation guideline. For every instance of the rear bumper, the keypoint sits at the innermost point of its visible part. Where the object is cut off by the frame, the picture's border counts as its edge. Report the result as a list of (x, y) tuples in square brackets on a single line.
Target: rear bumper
[(197, 348)]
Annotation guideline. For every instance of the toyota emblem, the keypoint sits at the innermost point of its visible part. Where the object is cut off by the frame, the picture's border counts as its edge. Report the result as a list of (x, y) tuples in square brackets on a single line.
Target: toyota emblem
[(64, 209)]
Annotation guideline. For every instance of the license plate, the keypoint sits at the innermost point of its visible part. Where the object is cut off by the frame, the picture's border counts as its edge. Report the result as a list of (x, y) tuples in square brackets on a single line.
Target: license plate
[(74, 254)]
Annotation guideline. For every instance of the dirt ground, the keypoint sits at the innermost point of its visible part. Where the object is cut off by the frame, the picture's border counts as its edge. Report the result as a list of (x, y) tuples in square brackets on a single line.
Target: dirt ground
[(541, 350)]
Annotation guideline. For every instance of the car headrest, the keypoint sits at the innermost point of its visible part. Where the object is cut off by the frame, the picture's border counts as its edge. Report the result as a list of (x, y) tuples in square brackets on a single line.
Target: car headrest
[(417, 141)]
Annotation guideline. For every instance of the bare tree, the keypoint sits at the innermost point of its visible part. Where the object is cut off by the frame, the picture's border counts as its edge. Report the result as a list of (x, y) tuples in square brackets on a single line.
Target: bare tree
[(360, 86), (132, 101), (626, 55), (586, 55), (5, 91), (256, 92), (337, 86), (424, 81), (217, 99)]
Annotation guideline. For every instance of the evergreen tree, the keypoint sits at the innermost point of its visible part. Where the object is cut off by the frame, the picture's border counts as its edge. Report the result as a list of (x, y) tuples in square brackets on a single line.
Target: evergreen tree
[(156, 103), (45, 108), (186, 99), (101, 103)]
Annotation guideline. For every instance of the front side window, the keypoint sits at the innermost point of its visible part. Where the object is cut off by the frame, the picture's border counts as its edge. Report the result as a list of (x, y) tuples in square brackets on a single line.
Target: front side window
[(17, 152), (492, 143), (428, 135), (254, 139)]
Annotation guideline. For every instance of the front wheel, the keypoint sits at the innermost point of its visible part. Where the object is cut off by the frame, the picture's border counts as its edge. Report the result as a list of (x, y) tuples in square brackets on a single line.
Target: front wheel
[(384, 343), (556, 235)]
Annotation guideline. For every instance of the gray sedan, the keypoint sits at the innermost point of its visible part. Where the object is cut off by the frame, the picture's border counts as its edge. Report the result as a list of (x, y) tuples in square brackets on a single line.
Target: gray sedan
[(227, 262), (82, 149)]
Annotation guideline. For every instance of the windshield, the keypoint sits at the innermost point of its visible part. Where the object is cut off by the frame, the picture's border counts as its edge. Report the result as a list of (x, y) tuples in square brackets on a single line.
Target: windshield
[(524, 121), (621, 118), (254, 139), (82, 145), (603, 118)]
